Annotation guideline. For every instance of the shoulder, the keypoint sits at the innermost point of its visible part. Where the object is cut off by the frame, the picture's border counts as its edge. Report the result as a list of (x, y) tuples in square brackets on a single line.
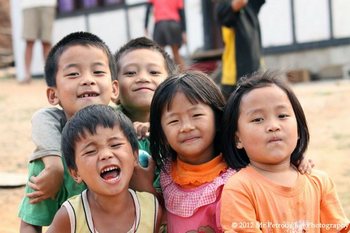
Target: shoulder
[(243, 177), (49, 113), (320, 179), (144, 197), (61, 222)]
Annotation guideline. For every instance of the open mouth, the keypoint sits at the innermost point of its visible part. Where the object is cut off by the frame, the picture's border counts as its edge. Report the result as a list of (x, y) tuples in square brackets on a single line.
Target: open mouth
[(88, 95), (110, 173)]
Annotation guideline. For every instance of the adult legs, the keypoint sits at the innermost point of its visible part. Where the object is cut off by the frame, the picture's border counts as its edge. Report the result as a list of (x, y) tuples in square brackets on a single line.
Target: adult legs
[(46, 49), (177, 57), (28, 60)]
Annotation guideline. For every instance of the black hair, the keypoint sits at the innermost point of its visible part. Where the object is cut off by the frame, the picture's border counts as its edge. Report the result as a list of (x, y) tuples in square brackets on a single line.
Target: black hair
[(198, 88), (145, 43), (72, 39), (86, 121), (238, 158)]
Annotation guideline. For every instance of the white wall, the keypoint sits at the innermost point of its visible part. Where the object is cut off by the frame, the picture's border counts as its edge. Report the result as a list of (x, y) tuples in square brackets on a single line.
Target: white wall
[(118, 26)]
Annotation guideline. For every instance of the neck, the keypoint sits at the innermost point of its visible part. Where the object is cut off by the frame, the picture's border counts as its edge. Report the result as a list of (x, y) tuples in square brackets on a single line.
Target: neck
[(138, 115), (110, 204), (283, 174)]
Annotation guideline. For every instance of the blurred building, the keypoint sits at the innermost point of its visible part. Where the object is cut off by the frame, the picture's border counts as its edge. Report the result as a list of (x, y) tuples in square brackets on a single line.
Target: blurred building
[(309, 35)]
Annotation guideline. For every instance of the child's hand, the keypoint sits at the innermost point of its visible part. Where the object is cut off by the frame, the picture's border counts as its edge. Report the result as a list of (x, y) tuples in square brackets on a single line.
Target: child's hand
[(142, 178), (142, 129), (306, 166), (48, 182)]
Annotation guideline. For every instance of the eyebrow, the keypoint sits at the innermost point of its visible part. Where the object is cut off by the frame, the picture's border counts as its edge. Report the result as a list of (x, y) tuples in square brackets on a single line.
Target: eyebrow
[(257, 110)]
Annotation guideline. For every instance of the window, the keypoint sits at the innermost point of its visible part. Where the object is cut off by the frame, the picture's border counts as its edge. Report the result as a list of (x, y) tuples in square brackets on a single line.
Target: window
[(68, 6)]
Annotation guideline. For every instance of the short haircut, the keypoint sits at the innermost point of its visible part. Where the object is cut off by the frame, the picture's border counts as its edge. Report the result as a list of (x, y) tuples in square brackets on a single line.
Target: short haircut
[(145, 43), (86, 121), (75, 38), (238, 158), (198, 88)]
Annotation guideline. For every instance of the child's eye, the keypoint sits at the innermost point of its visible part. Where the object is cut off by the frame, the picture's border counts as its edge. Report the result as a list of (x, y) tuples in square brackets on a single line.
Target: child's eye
[(283, 116), (73, 74), (90, 152), (99, 72), (198, 115), (258, 120), (155, 72), (129, 73), (172, 122), (116, 145)]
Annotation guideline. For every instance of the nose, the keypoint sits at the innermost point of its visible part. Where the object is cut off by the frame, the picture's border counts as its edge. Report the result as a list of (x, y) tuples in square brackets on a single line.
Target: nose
[(273, 126), (106, 154), (88, 79), (186, 126), (143, 76)]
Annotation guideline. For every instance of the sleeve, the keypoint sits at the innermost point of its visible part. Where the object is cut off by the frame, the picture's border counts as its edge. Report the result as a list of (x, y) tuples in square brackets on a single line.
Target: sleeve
[(332, 212), (256, 5), (225, 15), (148, 11), (182, 19), (237, 210), (47, 127)]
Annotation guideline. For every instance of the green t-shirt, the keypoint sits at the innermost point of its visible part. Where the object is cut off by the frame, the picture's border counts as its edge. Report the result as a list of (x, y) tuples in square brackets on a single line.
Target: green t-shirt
[(42, 213)]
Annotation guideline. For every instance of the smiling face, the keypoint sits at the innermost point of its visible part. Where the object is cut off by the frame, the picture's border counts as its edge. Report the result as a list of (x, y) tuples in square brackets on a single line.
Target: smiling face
[(189, 129), (141, 71), (267, 127), (83, 78), (105, 161)]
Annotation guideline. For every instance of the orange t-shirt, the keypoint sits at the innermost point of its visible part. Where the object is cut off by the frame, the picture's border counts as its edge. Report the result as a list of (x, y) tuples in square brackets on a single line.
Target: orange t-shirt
[(251, 202)]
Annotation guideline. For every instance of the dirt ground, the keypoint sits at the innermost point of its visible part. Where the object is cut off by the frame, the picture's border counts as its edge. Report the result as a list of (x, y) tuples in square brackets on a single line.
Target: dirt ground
[(326, 104)]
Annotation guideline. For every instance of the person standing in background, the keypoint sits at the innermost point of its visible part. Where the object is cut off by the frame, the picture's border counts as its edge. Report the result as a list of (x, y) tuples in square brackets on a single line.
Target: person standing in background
[(242, 38), (38, 18), (170, 25)]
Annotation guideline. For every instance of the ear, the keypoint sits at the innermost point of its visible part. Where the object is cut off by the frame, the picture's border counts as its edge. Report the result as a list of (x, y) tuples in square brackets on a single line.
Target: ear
[(136, 157), (238, 142), (115, 91), (51, 94), (75, 174)]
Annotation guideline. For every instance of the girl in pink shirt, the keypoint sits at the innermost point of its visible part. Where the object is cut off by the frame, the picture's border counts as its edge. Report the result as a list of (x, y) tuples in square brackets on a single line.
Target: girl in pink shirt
[(185, 136)]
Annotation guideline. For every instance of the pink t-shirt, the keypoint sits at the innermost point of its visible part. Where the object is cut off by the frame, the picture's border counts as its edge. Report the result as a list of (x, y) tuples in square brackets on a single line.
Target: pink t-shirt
[(167, 9), (194, 209)]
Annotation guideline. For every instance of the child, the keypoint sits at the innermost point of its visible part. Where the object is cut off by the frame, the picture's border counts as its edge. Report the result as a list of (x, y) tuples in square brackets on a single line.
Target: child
[(141, 66), (185, 137), (266, 135), (100, 148), (79, 71)]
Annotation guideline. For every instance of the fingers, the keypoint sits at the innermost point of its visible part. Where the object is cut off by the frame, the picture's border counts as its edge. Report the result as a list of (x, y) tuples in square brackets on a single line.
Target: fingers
[(36, 197), (142, 129)]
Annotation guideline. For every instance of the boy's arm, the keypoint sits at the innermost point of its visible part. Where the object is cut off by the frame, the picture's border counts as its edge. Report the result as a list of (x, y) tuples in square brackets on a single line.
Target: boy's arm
[(61, 222), (28, 228), (142, 178), (47, 126), (48, 182)]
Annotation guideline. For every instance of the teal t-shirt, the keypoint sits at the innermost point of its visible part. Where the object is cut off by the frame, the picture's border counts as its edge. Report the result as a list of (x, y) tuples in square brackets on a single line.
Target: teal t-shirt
[(42, 213), (144, 145)]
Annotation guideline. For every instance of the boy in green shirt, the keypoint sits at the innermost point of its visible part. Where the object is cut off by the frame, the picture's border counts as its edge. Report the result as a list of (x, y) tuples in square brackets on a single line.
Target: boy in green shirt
[(79, 71)]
